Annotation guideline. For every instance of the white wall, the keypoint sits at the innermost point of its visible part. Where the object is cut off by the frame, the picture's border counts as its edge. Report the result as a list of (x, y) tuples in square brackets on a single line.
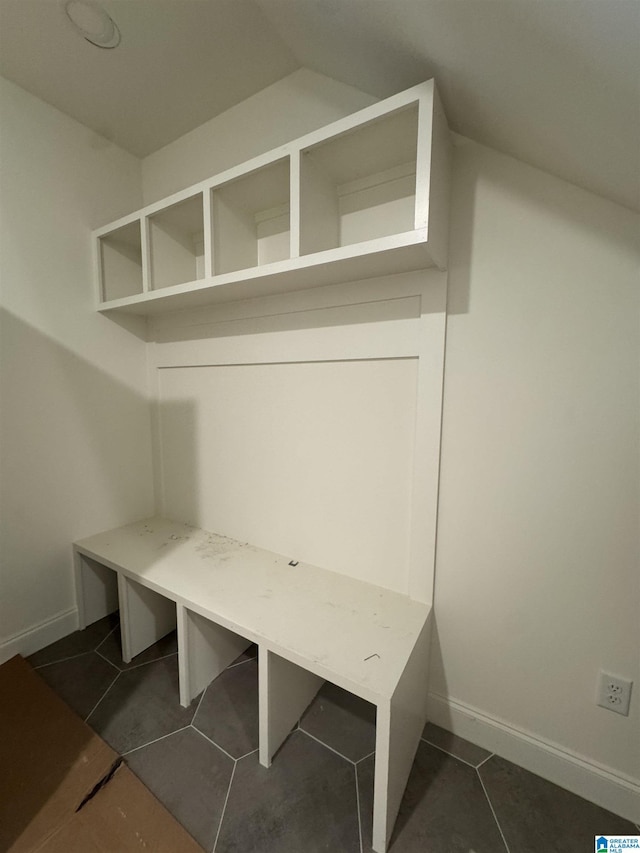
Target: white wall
[(295, 105), (74, 417), (537, 571)]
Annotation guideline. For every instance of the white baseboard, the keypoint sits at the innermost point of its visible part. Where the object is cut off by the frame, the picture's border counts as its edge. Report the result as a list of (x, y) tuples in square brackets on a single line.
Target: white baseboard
[(613, 791), (38, 636)]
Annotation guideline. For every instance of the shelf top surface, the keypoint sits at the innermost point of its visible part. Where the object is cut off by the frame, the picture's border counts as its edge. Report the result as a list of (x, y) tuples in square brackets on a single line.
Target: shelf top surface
[(354, 633)]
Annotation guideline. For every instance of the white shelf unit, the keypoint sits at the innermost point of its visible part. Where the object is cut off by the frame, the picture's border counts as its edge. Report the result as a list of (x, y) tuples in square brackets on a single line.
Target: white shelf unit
[(365, 196)]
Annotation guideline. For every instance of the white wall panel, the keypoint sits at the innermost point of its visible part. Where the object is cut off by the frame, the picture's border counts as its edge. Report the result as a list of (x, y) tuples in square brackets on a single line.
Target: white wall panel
[(309, 459)]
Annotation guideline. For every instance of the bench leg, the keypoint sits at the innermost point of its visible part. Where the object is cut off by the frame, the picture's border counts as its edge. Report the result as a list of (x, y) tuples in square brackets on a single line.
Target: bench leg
[(145, 617), (399, 725), (285, 691), (205, 649)]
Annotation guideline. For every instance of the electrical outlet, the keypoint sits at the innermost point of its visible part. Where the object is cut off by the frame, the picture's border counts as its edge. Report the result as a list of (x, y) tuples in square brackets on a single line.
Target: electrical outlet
[(614, 693)]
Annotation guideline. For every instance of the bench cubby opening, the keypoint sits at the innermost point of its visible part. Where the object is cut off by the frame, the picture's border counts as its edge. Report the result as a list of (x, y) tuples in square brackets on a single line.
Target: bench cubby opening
[(205, 649), (96, 590), (145, 617)]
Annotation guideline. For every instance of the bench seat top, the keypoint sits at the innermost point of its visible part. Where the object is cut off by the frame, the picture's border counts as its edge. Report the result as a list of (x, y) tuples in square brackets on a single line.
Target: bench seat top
[(353, 633)]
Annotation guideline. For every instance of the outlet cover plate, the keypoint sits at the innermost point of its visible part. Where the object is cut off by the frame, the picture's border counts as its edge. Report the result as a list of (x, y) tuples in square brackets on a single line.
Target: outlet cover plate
[(614, 693)]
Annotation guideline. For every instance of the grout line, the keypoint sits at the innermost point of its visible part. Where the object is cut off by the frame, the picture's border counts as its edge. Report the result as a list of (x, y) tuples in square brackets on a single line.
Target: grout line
[(199, 703), (155, 740), (365, 757), (114, 665), (239, 663), (326, 745), (86, 719), (146, 663), (493, 812), (224, 807), (355, 767), (62, 660), (80, 654), (451, 754), (253, 751), (104, 639), (228, 754), (484, 760)]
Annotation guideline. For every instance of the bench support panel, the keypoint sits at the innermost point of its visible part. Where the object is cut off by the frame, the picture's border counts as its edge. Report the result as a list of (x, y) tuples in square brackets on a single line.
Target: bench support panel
[(145, 617), (399, 725), (205, 649), (285, 691), (96, 590)]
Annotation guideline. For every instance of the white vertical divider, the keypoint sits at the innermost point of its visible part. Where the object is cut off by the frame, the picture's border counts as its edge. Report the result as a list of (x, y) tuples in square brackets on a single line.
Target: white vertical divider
[(399, 725), (145, 240), (424, 502), (145, 617), (98, 271), (440, 185), (285, 691), (208, 233), (205, 649), (155, 403), (294, 202), (423, 158)]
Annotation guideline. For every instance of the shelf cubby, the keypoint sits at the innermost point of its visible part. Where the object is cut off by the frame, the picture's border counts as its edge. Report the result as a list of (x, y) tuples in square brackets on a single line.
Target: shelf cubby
[(120, 260), (251, 219), (360, 185), (176, 243)]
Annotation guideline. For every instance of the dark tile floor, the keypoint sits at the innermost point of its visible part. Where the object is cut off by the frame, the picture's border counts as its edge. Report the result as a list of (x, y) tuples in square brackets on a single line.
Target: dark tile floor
[(202, 763)]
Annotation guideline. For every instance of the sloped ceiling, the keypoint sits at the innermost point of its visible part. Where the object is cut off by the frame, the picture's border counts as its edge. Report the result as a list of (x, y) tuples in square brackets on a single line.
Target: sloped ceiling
[(555, 83)]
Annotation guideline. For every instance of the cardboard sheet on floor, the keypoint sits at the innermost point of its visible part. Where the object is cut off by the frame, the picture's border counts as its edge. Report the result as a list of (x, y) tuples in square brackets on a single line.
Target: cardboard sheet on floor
[(62, 788)]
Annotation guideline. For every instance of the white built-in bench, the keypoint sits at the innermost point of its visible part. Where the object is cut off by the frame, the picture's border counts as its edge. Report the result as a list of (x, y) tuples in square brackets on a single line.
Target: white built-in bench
[(310, 625)]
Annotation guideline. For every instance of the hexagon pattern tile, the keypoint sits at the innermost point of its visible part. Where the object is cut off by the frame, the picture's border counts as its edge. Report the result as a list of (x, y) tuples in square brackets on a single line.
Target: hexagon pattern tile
[(342, 721), (444, 809), (190, 776), (81, 681), (454, 745), (537, 815), (142, 706), (111, 649), (306, 801), (459, 798), (77, 643), (228, 713)]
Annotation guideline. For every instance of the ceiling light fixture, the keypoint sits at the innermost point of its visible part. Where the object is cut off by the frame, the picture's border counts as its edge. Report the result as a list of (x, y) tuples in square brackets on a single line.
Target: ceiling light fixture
[(93, 23)]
